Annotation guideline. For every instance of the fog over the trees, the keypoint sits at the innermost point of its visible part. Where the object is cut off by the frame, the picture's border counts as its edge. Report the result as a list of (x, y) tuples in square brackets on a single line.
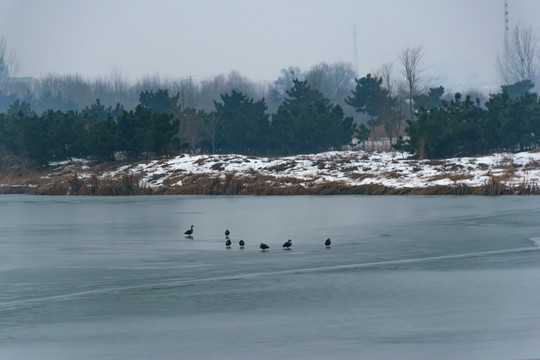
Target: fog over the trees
[(202, 39)]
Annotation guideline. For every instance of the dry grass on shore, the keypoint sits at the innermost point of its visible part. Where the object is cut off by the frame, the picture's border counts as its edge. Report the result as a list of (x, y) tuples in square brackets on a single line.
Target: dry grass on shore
[(125, 184), (230, 184), (332, 173)]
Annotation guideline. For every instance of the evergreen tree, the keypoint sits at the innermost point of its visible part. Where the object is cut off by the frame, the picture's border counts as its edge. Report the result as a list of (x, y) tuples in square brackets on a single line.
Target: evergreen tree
[(496, 114), (24, 134), (6, 100), (58, 102), (451, 130), (512, 124), (163, 133), (431, 100), (132, 131), (361, 133), (307, 122), (95, 112), (159, 101), (369, 97), (518, 89), (243, 124), (143, 133), (103, 139), (66, 135)]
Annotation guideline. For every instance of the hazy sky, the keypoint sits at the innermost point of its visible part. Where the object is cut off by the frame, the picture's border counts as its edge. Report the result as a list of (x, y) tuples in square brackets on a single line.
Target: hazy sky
[(202, 38)]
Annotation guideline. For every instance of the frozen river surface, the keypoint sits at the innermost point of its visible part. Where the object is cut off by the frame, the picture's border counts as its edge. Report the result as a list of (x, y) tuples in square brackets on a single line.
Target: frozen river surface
[(406, 277)]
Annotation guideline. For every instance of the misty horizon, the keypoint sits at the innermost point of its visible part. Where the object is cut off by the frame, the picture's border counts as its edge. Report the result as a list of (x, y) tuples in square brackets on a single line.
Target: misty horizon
[(200, 40)]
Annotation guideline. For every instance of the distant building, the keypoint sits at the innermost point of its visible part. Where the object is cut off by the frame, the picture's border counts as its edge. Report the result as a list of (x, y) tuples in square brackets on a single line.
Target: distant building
[(13, 85)]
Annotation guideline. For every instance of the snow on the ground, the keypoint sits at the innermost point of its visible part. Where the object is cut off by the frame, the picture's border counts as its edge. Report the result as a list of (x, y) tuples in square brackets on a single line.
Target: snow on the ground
[(391, 169), (67, 162)]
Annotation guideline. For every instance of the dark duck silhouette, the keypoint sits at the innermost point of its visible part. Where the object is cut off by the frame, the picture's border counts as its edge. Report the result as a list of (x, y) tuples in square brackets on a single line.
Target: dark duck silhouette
[(288, 244), (328, 242), (241, 243), (263, 246), (227, 233), (189, 232), (228, 243)]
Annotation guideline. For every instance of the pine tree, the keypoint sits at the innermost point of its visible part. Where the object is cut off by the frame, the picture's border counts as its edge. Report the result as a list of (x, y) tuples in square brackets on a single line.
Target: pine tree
[(307, 122), (243, 124)]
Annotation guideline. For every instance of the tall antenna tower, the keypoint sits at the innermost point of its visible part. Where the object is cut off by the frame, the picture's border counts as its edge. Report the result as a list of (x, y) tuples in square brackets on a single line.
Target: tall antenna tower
[(506, 24), (355, 47)]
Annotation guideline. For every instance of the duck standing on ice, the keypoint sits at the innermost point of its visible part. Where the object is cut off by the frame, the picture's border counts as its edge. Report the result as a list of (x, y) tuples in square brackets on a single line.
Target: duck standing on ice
[(189, 232), (288, 244)]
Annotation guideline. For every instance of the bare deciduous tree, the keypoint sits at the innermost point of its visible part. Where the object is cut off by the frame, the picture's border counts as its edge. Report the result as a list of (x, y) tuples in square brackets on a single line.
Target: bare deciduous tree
[(342, 75), (210, 127), (277, 90), (519, 59), (410, 59), (240, 83), (285, 81), (401, 107), (389, 112), (120, 87), (211, 89), (316, 77), (8, 58), (385, 73), (334, 81), (188, 93), (193, 127)]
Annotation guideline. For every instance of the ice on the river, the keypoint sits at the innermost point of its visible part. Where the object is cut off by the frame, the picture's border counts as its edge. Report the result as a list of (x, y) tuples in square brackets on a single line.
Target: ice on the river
[(406, 278)]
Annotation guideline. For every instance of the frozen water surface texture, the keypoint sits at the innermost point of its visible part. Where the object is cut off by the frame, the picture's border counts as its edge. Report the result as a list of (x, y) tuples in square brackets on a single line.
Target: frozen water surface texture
[(405, 277)]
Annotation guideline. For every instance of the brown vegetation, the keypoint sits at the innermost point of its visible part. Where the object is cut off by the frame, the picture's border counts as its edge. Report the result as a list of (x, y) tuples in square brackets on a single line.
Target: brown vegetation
[(257, 184), (73, 184), (81, 179)]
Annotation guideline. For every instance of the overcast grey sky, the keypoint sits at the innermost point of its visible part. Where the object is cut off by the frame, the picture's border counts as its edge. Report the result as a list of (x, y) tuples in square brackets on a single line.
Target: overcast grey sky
[(202, 38)]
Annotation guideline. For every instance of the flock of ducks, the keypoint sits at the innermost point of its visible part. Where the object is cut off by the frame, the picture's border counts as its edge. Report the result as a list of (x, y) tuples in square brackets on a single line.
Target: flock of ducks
[(286, 246)]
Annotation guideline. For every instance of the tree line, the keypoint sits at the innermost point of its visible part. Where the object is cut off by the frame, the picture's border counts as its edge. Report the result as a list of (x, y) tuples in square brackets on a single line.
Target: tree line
[(158, 126), (442, 127), (508, 121), (305, 122), (73, 92), (300, 112)]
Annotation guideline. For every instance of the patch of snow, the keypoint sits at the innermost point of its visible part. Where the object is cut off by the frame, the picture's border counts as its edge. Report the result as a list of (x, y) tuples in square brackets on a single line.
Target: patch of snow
[(391, 169), (66, 162)]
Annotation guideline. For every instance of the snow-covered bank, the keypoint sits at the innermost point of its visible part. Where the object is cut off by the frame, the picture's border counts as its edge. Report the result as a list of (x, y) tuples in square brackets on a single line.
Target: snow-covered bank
[(342, 170), (352, 168)]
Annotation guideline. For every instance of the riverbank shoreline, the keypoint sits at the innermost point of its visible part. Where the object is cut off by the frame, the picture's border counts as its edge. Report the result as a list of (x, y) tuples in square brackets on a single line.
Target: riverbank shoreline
[(329, 173)]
